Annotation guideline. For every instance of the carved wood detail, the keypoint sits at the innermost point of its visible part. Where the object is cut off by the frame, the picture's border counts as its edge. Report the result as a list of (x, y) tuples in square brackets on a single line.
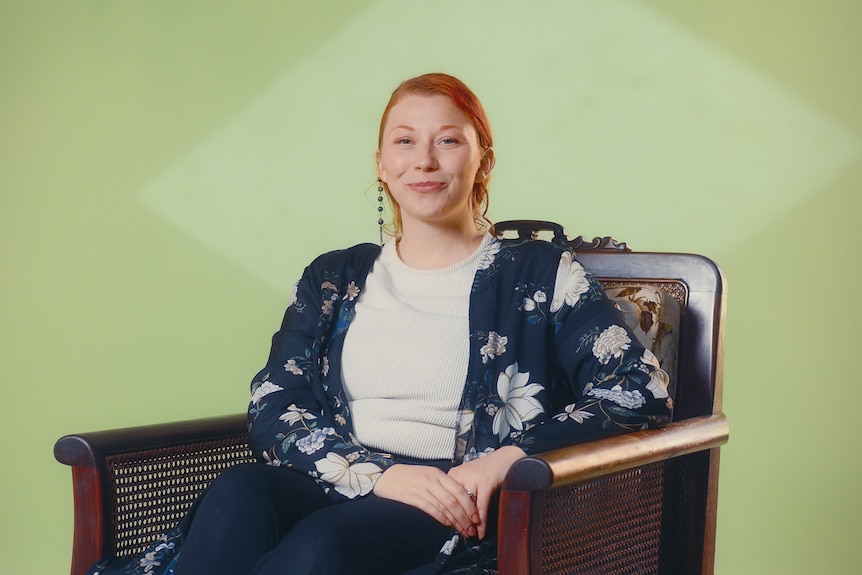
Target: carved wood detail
[(603, 244), (530, 229)]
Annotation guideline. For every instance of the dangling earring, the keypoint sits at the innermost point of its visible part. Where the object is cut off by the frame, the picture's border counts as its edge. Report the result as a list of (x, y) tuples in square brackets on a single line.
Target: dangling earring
[(380, 208)]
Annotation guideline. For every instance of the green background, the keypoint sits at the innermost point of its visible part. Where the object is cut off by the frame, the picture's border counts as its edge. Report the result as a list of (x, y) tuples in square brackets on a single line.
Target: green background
[(168, 167)]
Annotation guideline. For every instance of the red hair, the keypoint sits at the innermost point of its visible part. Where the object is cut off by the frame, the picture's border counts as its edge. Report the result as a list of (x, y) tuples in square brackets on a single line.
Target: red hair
[(438, 84)]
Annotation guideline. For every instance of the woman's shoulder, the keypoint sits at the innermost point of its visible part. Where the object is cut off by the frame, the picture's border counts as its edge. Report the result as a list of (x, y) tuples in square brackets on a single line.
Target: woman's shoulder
[(355, 257), (508, 262)]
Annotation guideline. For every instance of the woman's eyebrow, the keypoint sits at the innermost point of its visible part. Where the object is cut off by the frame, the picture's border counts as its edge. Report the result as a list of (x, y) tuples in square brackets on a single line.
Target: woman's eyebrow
[(441, 128)]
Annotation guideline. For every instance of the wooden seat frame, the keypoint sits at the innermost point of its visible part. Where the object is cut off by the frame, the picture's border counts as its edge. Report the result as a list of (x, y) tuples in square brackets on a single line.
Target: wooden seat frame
[(643, 502)]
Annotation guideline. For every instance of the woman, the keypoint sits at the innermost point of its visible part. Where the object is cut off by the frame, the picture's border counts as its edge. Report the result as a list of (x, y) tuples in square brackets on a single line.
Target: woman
[(406, 380)]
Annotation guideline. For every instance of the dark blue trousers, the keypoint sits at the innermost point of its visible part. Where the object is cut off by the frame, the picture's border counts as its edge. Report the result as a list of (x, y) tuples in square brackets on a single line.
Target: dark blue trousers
[(260, 520)]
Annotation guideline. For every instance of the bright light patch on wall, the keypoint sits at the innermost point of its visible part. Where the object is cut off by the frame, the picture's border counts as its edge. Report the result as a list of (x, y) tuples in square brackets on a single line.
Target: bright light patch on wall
[(608, 116)]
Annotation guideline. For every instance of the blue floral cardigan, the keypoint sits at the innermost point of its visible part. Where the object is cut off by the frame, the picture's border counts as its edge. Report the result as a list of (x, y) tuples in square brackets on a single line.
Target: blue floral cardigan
[(552, 364)]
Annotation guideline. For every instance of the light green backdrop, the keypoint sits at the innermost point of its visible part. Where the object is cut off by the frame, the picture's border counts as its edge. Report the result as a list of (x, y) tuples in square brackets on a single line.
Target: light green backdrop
[(168, 167)]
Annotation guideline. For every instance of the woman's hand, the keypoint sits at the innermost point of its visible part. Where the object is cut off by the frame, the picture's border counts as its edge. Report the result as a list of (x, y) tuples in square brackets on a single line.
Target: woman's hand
[(432, 491), (483, 476)]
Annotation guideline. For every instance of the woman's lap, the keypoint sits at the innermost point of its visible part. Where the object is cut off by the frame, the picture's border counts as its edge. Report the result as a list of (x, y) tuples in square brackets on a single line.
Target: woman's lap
[(267, 521), (374, 536)]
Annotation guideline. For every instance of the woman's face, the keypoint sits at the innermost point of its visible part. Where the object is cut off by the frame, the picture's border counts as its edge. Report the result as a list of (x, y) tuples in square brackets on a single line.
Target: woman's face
[(430, 158)]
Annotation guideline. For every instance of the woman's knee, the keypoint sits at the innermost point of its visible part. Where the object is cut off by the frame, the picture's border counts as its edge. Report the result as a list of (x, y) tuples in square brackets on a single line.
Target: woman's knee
[(242, 475), (239, 485), (256, 492)]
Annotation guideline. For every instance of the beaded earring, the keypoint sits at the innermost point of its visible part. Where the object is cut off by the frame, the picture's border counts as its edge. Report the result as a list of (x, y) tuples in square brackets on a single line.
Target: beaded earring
[(380, 208)]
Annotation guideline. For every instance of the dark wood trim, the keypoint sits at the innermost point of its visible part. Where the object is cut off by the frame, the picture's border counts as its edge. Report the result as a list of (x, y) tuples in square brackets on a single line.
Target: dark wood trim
[(85, 449), (514, 533), (605, 456), (709, 536), (90, 520)]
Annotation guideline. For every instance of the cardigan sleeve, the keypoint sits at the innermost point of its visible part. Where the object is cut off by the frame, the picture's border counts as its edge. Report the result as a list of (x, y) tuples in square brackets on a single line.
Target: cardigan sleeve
[(292, 421), (604, 381)]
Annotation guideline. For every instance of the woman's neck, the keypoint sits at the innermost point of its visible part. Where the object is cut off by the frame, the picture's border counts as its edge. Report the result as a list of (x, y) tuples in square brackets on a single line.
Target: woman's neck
[(431, 247)]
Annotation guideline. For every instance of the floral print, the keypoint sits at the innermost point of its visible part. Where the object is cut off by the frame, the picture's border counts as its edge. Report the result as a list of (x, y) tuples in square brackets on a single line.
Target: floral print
[(350, 480), (154, 558), (571, 282), (295, 414), (496, 346), (518, 402), (292, 367), (158, 559), (162, 552), (532, 303), (292, 299), (263, 390), (465, 418), (489, 254), (314, 441), (611, 344), (271, 460), (450, 544), (623, 397), (571, 412), (324, 366), (352, 291)]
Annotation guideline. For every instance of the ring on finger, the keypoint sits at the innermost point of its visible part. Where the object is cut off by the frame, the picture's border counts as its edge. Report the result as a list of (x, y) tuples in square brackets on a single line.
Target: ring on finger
[(471, 495)]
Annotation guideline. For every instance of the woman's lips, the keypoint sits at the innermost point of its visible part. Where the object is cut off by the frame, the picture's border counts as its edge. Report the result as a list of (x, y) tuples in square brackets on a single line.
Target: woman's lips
[(426, 186)]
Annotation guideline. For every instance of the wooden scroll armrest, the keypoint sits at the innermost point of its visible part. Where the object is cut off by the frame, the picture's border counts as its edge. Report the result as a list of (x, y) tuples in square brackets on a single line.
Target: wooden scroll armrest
[(90, 449), (86, 453), (532, 475)]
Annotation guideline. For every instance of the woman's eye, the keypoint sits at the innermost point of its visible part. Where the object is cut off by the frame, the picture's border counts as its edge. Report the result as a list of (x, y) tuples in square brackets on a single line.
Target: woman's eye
[(449, 141), (402, 141)]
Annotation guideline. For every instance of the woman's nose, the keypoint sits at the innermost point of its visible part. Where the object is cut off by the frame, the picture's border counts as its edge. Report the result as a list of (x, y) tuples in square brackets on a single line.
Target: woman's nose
[(426, 158)]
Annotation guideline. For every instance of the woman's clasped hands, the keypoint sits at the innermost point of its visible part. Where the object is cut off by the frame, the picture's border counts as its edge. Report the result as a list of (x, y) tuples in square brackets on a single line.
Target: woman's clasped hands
[(459, 498)]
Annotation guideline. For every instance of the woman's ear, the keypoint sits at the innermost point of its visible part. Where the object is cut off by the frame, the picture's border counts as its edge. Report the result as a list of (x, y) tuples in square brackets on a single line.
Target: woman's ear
[(486, 164), (379, 162)]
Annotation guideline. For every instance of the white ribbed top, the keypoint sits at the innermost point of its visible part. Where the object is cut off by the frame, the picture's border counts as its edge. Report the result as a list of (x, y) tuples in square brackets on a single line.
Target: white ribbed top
[(405, 355)]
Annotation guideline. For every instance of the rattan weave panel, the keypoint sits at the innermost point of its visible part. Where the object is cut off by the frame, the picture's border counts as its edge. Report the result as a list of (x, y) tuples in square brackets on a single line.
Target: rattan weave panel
[(631, 523), (154, 489), (684, 502), (610, 525)]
